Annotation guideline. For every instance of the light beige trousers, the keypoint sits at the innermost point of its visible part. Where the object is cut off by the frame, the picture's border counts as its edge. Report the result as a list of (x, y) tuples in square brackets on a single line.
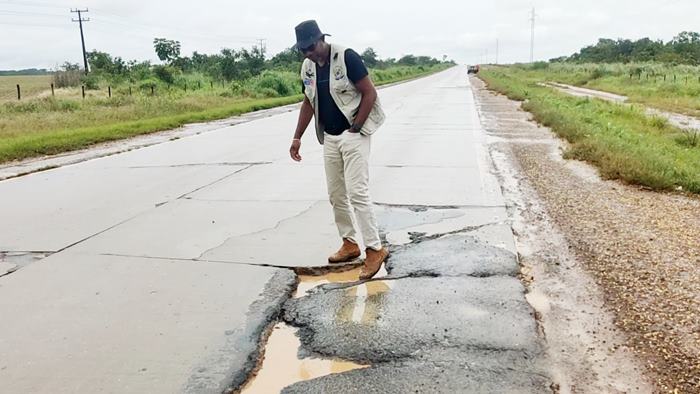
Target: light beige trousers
[(346, 159)]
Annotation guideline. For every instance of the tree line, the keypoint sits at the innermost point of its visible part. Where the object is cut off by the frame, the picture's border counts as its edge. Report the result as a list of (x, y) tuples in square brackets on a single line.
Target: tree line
[(227, 65), (684, 48)]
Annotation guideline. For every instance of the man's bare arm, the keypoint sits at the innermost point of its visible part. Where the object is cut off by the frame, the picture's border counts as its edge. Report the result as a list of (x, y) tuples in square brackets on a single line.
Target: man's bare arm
[(306, 113)]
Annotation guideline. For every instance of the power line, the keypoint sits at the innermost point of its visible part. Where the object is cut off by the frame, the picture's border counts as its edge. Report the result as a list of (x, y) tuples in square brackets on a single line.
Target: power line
[(31, 4), (82, 36), (27, 13), (54, 26), (127, 21)]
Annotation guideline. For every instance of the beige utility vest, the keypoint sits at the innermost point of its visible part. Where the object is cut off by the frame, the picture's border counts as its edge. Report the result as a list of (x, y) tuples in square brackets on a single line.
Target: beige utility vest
[(344, 93)]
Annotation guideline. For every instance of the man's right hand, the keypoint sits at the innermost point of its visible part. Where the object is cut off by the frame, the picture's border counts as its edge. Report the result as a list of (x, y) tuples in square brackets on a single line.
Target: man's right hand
[(294, 150)]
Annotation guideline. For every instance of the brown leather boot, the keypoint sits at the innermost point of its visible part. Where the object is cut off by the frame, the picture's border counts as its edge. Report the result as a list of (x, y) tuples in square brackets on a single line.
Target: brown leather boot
[(349, 251), (373, 262)]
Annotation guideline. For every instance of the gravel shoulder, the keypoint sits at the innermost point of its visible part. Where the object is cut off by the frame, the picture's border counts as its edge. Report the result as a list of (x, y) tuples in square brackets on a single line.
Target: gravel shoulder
[(612, 268)]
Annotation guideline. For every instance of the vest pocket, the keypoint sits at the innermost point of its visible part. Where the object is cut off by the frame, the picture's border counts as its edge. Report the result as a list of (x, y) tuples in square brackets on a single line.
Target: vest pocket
[(345, 92)]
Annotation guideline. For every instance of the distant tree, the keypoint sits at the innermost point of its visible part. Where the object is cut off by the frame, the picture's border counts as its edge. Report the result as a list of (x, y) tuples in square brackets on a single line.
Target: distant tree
[(369, 56), (167, 50), (252, 62), (228, 64), (647, 50), (289, 60), (407, 60), (68, 66), (683, 48), (104, 63)]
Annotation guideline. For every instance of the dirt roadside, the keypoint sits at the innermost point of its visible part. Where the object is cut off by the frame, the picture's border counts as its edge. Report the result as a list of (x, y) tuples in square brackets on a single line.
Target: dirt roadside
[(613, 269)]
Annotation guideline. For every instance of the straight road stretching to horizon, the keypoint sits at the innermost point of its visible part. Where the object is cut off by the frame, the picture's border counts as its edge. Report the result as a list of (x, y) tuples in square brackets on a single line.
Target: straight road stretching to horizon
[(159, 269)]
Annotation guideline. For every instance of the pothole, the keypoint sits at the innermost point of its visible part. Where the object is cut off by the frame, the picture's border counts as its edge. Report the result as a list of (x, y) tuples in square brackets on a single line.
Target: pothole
[(12, 261), (281, 365)]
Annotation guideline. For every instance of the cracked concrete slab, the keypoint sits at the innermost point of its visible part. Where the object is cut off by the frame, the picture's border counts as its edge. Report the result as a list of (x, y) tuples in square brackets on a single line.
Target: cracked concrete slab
[(7, 268), (466, 256), (488, 225), (426, 150), (188, 229), (134, 325), (53, 209), (395, 218), (272, 182), (433, 186), (284, 245), (404, 316)]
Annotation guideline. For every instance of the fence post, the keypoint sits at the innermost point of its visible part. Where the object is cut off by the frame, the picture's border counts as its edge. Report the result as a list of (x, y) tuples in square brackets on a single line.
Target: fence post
[(109, 91), (212, 84), (674, 77), (664, 77), (199, 84), (185, 86), (53, 94), (129, 90), (83, 89), (153, 90), (19, 93)]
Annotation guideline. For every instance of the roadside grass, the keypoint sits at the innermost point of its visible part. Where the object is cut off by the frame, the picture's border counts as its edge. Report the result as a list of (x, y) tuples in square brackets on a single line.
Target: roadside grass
[(620, 140), (31, 86), (56, 141), (48, 125), (667, 87)]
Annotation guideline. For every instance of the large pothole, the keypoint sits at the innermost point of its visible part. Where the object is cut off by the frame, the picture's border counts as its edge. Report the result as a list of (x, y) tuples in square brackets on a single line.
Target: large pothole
[(281, 364)]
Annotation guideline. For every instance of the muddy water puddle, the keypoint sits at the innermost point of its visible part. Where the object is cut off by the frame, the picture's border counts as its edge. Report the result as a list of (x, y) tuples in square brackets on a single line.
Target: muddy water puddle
[(281, 365)]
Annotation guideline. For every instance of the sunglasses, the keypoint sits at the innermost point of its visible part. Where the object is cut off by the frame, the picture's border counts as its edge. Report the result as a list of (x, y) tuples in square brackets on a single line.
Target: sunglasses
[(309, 48)]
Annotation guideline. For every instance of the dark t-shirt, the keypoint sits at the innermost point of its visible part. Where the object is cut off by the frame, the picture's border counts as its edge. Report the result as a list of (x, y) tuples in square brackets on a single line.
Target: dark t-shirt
[(330, 116)]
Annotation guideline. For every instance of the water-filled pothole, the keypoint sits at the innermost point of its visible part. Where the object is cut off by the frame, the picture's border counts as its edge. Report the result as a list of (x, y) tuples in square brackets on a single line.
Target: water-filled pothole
[(281, 365)]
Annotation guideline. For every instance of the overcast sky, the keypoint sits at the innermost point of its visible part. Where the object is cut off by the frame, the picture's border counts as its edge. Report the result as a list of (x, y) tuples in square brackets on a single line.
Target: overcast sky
[(39, 33)]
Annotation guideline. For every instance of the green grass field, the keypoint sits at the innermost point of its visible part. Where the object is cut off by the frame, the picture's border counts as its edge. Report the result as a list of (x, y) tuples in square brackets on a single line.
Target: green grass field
[(620, 140), (671, 88), (48, 125), (31, 86)]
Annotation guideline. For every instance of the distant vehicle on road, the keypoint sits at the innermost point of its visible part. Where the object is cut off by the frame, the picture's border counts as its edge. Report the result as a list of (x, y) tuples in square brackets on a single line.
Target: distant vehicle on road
[(473, 69)]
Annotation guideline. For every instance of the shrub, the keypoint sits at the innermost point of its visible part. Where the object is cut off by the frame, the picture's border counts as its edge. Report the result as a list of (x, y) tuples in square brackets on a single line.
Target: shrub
[(91, 81), (540, 65), (282, 83), (165, 73), (69, 78)]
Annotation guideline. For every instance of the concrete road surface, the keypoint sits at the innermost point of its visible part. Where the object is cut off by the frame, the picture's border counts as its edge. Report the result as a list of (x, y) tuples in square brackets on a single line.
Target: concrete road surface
[(158, 269)]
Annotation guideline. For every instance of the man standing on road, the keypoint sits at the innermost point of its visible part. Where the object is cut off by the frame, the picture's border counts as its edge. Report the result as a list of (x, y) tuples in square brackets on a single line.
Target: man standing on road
[(340, 97)]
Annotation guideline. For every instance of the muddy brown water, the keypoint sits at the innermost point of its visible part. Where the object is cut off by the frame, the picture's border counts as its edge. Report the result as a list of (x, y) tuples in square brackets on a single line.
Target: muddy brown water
[(281, 365)]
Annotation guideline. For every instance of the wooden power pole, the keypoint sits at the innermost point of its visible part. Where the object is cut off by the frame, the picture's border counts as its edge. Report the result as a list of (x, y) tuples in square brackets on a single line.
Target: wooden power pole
[(80, 20)]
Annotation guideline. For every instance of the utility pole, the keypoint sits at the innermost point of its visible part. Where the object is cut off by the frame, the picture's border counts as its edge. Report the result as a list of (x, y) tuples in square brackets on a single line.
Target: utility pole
[(263, 46), (532, 36), (82, 36), (497, 51)]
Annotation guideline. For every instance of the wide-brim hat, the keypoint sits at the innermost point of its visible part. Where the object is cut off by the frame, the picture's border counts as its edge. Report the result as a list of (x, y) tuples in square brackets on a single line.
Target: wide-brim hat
[(307, 33)]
